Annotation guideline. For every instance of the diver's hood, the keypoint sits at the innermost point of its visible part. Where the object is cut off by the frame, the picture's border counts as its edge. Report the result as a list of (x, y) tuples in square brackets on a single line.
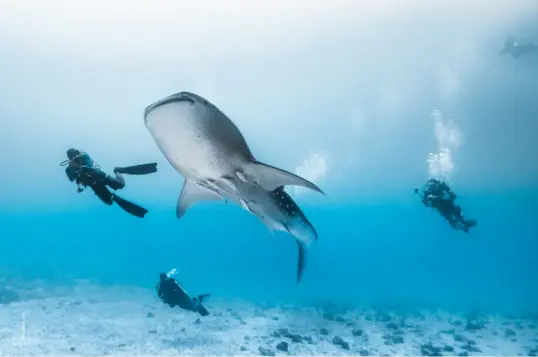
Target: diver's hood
[(72, 153)]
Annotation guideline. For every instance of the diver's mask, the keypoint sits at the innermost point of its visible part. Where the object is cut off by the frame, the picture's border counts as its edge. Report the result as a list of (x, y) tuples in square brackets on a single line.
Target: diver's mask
[(73, 155)]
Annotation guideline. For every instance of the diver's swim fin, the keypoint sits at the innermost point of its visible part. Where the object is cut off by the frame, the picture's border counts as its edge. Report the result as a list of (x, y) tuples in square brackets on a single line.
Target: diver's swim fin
[(465, 225), (143, 169), (470, 223), (130, 207), (202, 310)]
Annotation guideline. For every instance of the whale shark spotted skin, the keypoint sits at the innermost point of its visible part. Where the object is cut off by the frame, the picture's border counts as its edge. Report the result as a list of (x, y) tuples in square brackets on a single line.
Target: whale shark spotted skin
[(210, 152)]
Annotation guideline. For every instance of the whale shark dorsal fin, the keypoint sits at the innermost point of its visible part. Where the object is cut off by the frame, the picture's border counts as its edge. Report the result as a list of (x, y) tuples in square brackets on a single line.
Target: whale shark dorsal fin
[(270, 177), (191, 193)]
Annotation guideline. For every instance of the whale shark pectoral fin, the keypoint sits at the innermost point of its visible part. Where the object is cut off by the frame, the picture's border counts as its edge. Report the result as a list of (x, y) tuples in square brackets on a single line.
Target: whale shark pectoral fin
[(191, 193), (301, 261), (270, 177)]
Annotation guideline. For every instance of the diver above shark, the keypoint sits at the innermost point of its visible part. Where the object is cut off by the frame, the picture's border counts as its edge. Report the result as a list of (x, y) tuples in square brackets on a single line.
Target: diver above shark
[(517, 49), (210, 152)]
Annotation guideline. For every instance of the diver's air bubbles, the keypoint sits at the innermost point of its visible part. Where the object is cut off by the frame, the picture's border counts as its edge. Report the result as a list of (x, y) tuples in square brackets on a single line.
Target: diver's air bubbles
[(313, 169), (449, 139), (440, 164)]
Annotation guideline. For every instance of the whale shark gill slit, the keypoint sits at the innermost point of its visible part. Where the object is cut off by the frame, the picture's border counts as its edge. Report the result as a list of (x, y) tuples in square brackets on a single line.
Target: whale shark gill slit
[(302, 256)]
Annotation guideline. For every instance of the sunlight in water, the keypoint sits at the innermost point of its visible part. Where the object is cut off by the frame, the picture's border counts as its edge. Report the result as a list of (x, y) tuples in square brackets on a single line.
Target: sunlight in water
[(313, 169)]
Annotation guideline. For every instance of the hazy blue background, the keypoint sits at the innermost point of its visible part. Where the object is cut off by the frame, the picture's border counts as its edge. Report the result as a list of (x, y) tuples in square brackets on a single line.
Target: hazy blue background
[(348, 87)]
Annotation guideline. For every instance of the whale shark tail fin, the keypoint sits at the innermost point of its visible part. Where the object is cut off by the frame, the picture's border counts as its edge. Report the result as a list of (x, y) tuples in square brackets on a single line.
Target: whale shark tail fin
[(270, 177), (301, 261)]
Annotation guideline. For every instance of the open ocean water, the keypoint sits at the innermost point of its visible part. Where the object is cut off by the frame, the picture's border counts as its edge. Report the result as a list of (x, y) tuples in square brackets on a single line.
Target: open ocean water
[(367, 99)]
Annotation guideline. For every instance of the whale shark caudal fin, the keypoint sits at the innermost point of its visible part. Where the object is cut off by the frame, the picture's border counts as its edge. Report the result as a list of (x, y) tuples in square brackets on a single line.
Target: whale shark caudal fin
[(301, 261), (302, 257), (270, 177), (192, 193)]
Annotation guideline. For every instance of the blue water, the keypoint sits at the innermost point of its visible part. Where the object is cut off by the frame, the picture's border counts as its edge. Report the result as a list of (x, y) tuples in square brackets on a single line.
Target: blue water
[(365, 106), (388, 250)]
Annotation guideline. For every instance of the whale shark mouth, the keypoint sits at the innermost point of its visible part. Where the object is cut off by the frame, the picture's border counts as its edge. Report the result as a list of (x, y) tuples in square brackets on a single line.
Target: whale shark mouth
[(174, 98)]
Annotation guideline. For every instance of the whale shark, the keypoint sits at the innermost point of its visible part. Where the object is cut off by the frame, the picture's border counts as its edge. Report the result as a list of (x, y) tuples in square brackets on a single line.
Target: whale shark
[(209, 151)]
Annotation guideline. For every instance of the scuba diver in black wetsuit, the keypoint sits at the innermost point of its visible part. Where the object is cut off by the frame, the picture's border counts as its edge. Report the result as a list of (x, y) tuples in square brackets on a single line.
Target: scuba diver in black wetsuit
[(85, 172), (171, 293), (437, 194)]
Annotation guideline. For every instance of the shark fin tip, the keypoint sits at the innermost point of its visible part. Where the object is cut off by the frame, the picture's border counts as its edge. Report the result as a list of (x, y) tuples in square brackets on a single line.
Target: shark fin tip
[(271, 177)]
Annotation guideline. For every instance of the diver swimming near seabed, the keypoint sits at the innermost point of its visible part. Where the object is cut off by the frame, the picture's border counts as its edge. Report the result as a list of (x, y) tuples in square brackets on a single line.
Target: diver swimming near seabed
[(173, 294), (437, 194), (85, 172)]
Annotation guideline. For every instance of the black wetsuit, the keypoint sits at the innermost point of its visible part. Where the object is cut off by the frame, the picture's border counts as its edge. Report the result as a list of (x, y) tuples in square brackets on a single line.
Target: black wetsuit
[(82, 169), (437, 194), (173, 294)]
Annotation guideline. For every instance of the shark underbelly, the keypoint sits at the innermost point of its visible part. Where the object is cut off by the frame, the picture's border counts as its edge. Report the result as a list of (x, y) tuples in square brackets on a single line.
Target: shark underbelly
[(185, 145), (209, 151)]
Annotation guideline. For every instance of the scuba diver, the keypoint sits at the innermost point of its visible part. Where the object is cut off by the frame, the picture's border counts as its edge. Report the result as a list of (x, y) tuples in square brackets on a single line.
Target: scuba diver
[(518, 48), (437, 194), (171, 293), (85, 172)]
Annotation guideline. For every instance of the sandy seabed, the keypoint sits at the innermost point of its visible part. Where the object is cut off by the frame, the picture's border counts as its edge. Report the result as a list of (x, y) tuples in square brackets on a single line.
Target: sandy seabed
[(90, 320)]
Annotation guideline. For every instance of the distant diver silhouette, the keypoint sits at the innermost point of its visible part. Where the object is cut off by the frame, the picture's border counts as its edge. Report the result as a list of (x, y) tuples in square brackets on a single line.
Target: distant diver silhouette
[(173, 294), (437, 194), (517, 49)]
